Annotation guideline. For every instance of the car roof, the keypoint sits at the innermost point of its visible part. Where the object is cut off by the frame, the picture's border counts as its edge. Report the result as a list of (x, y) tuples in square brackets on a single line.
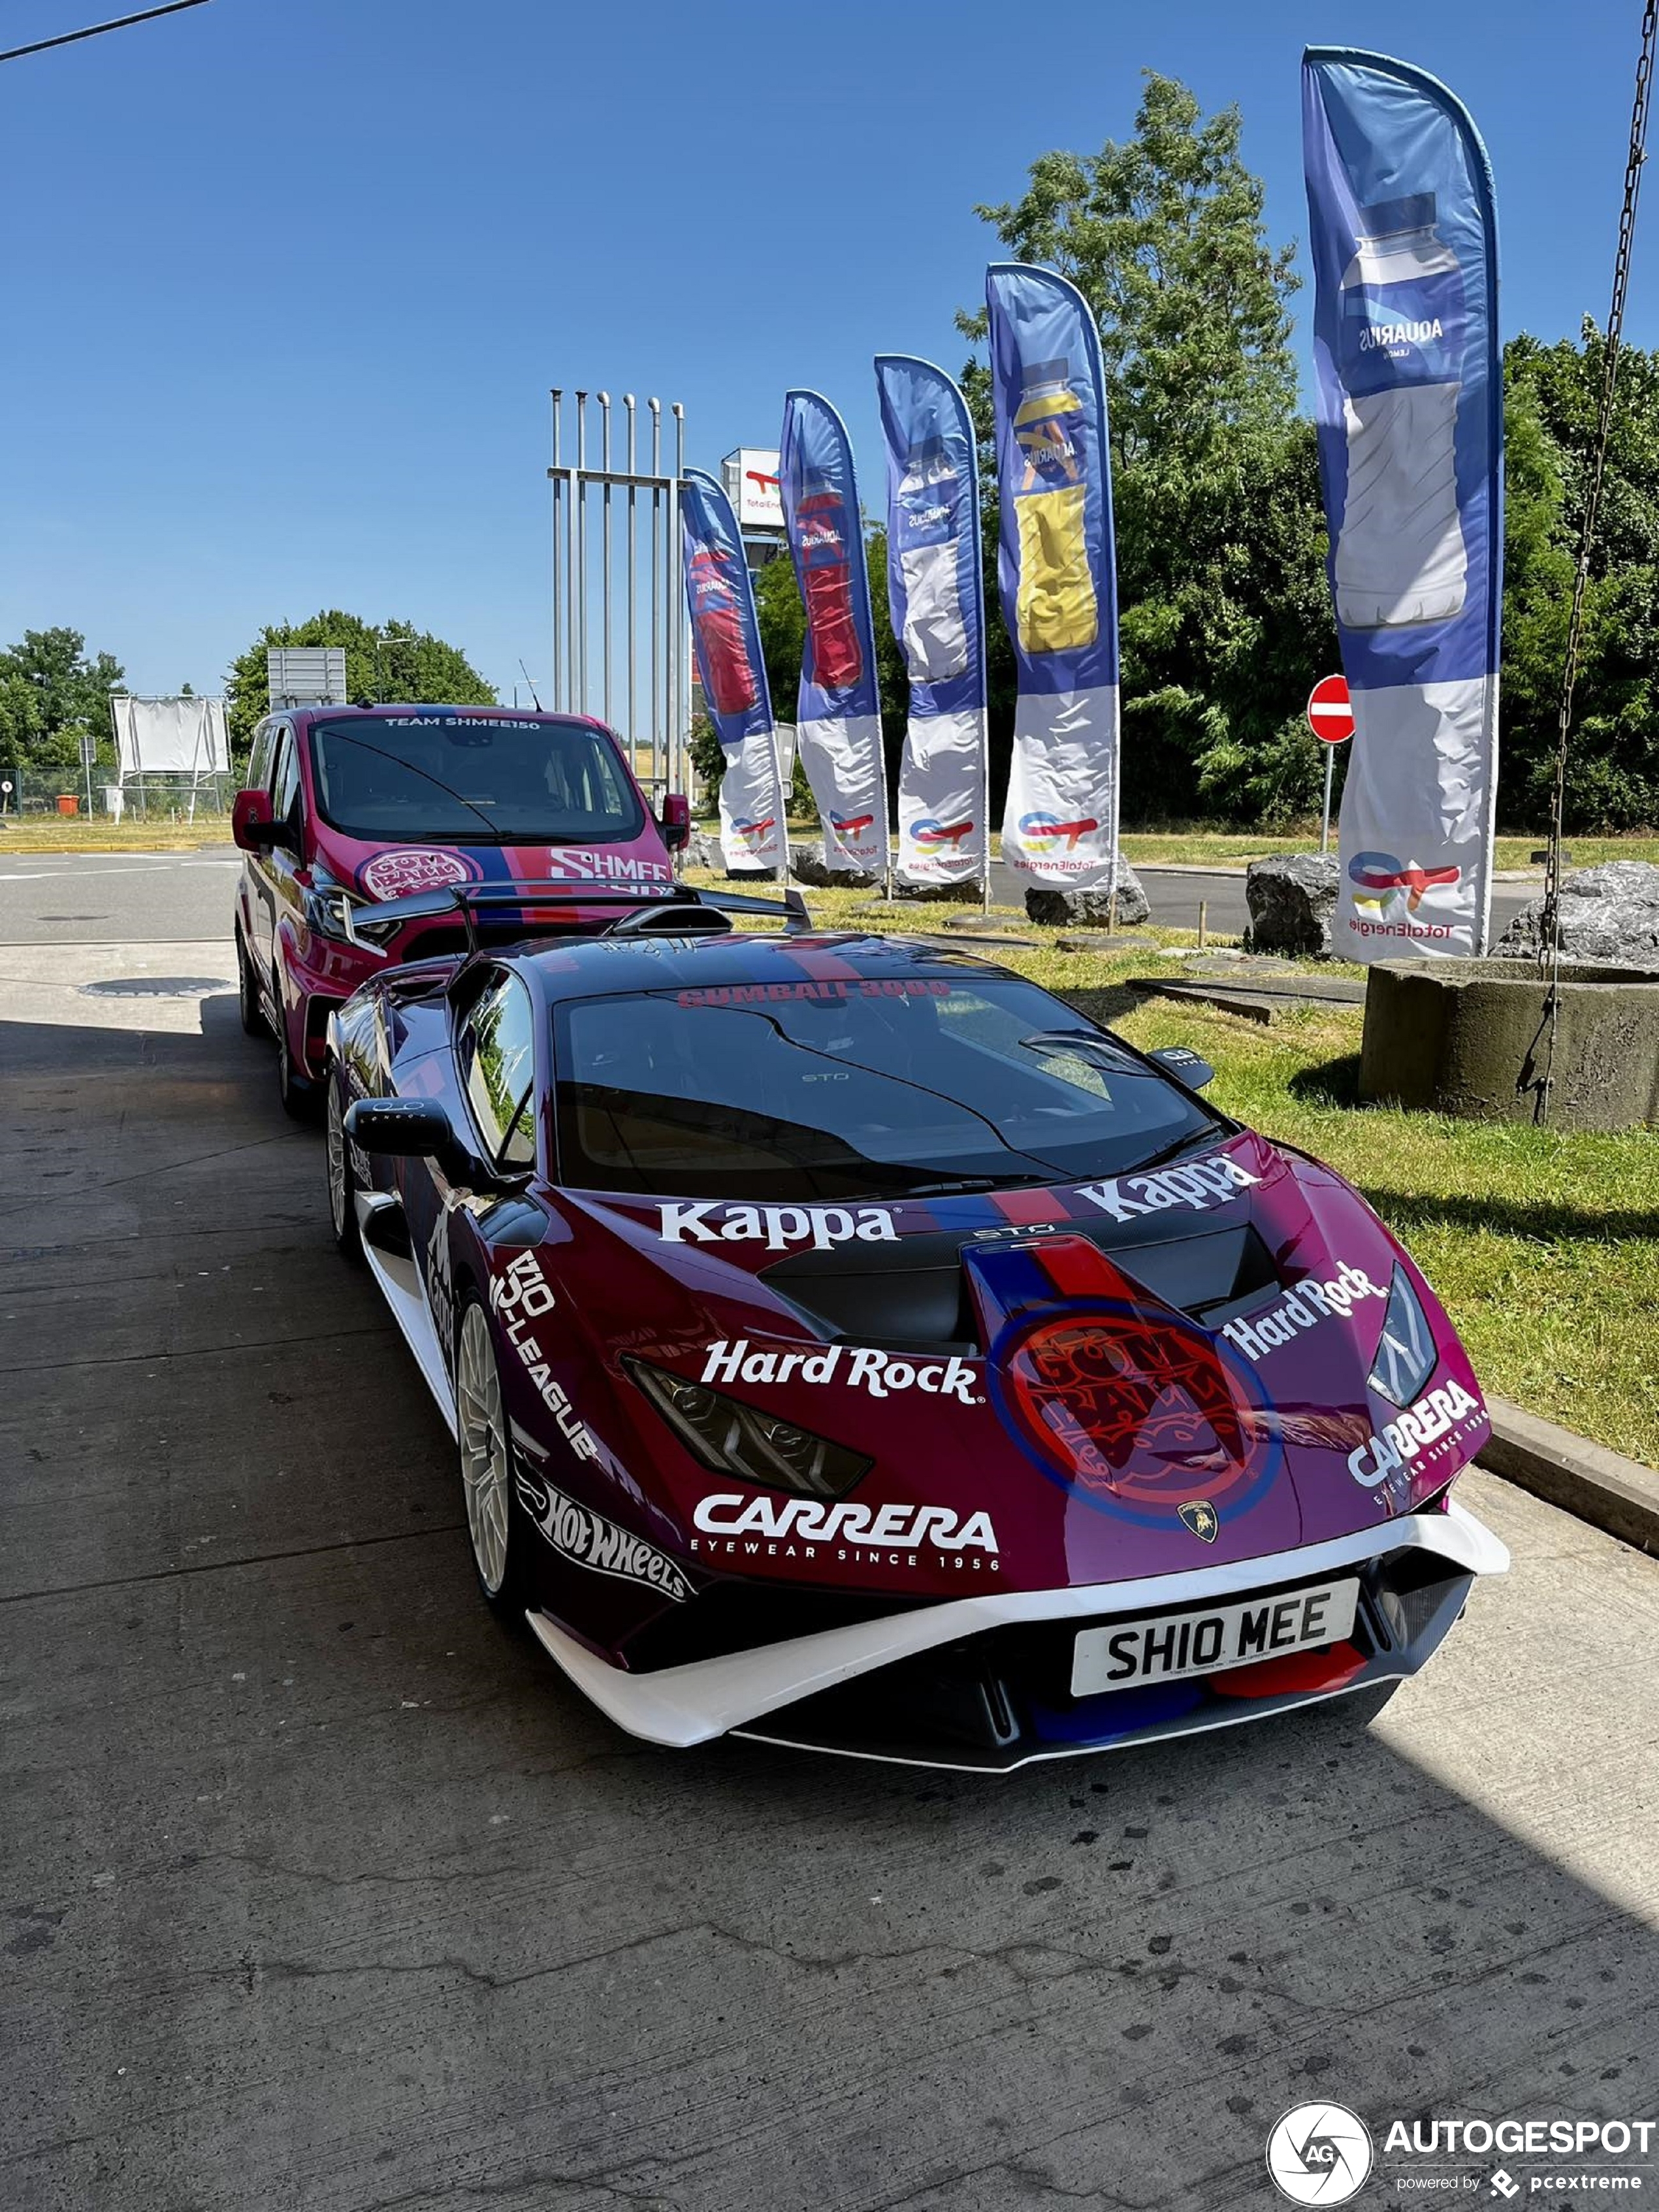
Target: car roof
[(388, 710), (600, 967)]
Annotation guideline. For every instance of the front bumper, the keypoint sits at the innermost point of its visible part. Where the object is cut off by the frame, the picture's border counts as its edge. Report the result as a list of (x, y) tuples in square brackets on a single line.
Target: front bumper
[(978, 1682)]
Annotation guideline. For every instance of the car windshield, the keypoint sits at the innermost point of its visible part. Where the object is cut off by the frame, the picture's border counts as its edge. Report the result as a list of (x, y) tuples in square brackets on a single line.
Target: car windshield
[(857, 1088), (477, 779)]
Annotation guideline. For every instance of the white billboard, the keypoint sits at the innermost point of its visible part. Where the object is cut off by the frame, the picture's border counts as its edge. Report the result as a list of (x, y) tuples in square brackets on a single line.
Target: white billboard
[(752, 485), (306, 675), (169, 736)]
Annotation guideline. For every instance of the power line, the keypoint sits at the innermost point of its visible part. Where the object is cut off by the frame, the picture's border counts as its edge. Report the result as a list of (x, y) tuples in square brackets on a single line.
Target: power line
[(95, 30)]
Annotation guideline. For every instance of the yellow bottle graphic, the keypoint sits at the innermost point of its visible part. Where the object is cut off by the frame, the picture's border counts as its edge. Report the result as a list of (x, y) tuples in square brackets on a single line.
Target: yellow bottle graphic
[(1055, 610)]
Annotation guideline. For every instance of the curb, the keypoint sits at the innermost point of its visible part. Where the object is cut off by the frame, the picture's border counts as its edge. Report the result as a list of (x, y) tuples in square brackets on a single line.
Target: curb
[(1617, 1495)]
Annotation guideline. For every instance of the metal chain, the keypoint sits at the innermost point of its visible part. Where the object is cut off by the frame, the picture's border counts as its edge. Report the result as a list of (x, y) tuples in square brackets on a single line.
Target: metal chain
[(1550, 945)]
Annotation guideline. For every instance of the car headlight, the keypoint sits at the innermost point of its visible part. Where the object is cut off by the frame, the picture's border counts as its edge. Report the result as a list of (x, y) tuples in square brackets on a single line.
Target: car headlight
[(730, 1438), (1407, 1355), (327, 911)]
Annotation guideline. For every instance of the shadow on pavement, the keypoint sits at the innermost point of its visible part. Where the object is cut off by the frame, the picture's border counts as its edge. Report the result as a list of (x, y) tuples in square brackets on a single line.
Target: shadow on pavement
[(322, 1891)]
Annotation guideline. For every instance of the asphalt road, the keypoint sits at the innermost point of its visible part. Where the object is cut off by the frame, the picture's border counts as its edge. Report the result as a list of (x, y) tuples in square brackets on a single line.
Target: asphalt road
[(148, 898), (322, 1893)]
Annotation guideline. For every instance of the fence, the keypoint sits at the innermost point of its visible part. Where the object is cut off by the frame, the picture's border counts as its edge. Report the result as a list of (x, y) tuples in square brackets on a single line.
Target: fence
[(146, 797)]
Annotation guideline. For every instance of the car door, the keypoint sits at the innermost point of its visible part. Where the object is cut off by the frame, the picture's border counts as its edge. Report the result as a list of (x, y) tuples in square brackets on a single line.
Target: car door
[(496, 1071), (275, 892)]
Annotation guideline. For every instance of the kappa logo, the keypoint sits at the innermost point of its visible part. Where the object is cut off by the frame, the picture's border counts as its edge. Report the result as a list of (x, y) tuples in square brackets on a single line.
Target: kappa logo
[(708, 1221), (1204, 1183), (1041, 833), (880, 1373)]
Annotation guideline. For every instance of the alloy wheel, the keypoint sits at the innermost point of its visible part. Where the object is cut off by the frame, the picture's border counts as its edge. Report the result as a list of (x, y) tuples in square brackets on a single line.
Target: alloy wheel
[(486, 1471)]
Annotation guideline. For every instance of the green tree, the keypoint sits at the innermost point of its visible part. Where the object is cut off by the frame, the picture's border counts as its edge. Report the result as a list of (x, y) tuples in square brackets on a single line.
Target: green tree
[(396, 661), (1225, 619), (1551, 397), (52, 692)]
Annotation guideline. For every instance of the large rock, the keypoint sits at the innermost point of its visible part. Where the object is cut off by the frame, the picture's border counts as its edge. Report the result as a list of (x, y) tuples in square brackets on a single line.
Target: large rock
[(961, 894), (1057, 907), (1291, 899), (703, 851), (1609, 913), (808, 866)]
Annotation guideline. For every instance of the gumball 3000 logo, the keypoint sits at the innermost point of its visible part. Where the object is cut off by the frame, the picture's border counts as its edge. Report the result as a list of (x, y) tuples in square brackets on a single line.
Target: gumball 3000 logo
[(1132, 1412), (416, 868)]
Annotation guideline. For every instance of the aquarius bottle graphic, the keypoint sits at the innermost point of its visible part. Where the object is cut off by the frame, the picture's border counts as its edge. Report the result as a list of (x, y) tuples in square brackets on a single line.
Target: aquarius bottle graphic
[(935, 638), (1400, 553), (724, 652), (1055, 610), (827, 582)]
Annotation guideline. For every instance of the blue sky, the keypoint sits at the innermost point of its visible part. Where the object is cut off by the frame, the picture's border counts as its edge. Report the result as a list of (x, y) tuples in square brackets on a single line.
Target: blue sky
[(286, 280)]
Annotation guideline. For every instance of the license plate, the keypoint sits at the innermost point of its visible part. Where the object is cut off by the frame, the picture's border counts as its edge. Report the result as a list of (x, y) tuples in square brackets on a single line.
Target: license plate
[(1180, 1643)]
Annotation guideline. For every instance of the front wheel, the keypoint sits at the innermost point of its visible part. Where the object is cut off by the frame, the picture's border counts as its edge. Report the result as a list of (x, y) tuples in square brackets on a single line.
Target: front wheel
[(297, 1092), (342, 1182), (247, 990), (494, 1522)]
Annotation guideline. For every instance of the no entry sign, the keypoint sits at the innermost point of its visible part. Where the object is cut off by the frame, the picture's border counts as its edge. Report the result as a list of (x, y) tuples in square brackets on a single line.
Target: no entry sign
[(1330, 712)]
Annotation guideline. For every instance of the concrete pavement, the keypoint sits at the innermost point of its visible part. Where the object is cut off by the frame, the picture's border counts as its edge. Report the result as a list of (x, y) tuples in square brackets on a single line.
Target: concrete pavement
[(321, 1891)]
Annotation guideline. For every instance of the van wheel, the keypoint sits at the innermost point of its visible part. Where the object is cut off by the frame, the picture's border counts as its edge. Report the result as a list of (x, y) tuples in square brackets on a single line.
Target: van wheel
[(297, 1092), (247, 991)]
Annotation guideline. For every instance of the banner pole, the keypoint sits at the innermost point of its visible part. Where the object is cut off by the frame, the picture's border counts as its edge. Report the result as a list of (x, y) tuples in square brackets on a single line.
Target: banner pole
[(1325, 826)]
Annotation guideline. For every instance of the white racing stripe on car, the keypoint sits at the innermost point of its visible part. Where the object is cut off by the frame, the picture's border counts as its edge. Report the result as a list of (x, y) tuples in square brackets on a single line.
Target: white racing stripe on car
[(682, 1705)]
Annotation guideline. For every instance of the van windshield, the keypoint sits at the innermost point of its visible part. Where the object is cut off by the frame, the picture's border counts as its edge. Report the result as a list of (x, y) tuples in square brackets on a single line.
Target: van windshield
[(472, 779)]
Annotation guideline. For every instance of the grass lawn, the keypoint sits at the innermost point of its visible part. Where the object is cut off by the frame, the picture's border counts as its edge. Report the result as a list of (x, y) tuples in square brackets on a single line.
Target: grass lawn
[(1544, 1247), (65, 833), (1147, 848)]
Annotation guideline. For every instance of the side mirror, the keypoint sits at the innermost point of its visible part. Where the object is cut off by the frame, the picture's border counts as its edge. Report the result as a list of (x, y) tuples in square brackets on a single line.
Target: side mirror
[(414, 1129), (252, 825), (676, 820), (1186, 1066), (402, 1128)]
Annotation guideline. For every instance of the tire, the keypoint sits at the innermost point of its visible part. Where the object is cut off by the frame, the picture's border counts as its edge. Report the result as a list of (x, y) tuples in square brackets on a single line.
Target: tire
[(495, 1522), (341, 1181), (297, 1092), (247, 991)]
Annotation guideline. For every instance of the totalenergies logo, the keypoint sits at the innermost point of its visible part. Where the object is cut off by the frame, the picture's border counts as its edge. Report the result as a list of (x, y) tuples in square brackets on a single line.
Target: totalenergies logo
[(755, 831), (848, 825), (1041, 833), (931, 834), (1381, 878)]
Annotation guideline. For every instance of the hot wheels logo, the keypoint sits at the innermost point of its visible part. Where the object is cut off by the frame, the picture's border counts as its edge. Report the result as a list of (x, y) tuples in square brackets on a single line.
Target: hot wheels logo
[(1041, 833)]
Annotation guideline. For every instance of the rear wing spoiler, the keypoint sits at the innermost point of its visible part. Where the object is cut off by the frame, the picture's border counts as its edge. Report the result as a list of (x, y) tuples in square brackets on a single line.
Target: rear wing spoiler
[(643, 909)]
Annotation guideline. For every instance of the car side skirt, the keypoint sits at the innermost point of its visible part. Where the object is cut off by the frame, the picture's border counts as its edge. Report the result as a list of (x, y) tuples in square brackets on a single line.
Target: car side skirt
[(689, 1705), (400, 1286)]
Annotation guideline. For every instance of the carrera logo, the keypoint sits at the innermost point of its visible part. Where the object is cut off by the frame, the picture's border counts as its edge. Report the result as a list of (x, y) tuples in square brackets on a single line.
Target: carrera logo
[(878, 1372), (1438, 1415), (576, 1532), (803, 1520), (1309, 1304), (710, 1222), (1202, 1184)]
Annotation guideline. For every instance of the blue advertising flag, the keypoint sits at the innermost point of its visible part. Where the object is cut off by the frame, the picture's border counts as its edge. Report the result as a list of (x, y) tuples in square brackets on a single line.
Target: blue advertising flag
[(936, 596), (720, 596), (838, 719), (1058, 576), (1403, 236)]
